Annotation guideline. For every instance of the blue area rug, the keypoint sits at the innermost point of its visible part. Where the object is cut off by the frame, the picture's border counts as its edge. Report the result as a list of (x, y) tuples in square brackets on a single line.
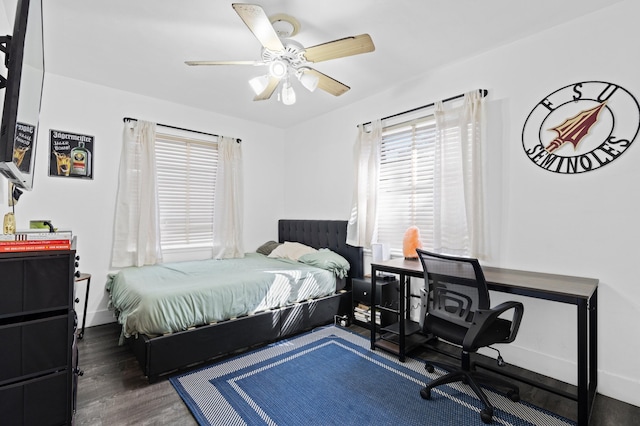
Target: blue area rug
[(330, 377)]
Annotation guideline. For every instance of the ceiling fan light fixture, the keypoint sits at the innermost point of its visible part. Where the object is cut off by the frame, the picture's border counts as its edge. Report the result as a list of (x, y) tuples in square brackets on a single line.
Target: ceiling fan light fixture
[(288, 95), (278, 68), (258, 84), (309, 81)]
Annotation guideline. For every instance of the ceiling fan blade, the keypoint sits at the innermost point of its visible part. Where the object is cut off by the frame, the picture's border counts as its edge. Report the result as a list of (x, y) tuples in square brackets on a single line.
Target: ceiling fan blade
[(340, 48), (328, 84), (255, 63), (260, 25), (268, 91)]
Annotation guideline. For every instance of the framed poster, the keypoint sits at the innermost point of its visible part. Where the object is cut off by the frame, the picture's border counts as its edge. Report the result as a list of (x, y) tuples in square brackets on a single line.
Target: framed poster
[(25, 134), (71, 155)]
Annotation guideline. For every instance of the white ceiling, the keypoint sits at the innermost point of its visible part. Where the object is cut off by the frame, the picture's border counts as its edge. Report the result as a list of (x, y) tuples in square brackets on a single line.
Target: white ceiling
[(140, 45)]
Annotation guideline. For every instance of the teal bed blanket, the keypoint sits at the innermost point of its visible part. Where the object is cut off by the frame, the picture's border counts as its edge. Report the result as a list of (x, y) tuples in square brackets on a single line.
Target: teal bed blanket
[(166, 298)]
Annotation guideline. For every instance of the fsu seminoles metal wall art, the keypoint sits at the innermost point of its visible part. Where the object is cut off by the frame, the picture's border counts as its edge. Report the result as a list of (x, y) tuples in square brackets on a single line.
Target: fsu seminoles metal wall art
[(581, 127)]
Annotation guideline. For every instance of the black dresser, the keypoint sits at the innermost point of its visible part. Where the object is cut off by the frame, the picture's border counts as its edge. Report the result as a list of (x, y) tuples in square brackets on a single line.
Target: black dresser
[(38, 357)]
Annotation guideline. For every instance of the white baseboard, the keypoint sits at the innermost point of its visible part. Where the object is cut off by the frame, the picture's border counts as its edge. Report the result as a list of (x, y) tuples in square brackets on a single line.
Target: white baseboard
[(548, 365), (99, 318), (619, 387), (609, 384)]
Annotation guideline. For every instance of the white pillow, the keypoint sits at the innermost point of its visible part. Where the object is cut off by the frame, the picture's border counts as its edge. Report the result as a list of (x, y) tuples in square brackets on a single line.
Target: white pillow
[(290, 250)]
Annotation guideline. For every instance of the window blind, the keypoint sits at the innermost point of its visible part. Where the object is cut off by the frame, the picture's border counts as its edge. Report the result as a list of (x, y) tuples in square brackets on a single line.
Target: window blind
[(405, 187), (186, 174)]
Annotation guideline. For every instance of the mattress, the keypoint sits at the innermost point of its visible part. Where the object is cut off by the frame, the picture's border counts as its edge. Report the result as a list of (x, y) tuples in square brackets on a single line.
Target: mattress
[(170, 297)]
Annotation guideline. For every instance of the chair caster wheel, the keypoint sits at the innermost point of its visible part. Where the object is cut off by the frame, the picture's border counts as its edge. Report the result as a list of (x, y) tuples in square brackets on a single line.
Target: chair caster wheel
[(513, 396), (486, 415), (425, 393), (429, 368)]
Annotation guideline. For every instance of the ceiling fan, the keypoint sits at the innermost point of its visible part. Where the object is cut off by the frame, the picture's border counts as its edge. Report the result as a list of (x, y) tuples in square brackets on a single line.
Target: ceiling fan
[(286, 58)]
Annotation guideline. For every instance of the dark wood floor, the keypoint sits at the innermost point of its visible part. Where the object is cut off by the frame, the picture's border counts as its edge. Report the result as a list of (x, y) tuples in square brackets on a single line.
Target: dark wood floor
[(113, 390)]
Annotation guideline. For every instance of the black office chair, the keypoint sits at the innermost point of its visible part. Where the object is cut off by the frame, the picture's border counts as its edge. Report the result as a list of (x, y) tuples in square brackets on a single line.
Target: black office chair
[(457, 309)]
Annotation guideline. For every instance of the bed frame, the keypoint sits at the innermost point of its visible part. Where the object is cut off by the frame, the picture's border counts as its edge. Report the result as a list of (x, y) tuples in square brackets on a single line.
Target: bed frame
[(162, 355)]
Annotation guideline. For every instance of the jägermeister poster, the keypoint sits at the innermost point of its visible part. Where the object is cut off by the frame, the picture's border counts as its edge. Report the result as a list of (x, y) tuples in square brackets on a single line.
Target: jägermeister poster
[(71, 155), (22, 146)]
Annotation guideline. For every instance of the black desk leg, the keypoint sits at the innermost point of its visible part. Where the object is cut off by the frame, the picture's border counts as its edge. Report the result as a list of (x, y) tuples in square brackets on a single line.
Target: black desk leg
[(372, 308), (583, 369), (401, 317), (593, 349)]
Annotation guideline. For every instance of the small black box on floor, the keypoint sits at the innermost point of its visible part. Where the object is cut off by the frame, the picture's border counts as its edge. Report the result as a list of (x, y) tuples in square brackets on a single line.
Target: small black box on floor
[(386, 291)]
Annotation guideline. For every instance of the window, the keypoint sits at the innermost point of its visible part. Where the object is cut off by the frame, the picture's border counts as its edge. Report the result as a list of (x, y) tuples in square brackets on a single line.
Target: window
[(406, 183), (179, 198), (186, 181), (426, 172)]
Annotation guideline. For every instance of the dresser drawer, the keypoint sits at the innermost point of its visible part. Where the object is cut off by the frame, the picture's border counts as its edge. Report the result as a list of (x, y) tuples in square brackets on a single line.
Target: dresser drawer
[(37, 402), (33, 284), (32, 347)]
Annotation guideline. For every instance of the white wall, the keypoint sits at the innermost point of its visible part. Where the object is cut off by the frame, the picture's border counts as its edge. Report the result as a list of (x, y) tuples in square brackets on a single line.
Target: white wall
[(584, 225)]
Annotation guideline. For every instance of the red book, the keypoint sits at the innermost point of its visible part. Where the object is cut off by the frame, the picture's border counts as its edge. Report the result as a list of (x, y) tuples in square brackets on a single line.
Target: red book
[(33, 242), (39, 246)]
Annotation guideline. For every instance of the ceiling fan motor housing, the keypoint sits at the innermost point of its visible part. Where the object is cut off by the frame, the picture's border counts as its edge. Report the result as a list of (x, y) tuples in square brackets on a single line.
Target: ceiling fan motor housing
[(293, 54)]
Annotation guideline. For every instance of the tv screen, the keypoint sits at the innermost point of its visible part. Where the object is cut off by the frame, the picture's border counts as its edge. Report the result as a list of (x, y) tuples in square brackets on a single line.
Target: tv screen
[(24, 58)]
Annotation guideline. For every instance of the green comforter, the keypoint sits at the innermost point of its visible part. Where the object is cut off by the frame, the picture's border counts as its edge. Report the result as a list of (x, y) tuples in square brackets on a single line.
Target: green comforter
[(171, 297)]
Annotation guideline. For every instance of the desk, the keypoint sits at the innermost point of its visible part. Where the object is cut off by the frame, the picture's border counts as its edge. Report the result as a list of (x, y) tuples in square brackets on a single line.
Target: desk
[(581, 292)]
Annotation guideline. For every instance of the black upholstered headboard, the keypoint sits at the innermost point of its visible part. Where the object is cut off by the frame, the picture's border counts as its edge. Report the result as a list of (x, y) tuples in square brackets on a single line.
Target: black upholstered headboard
[(331, 234)]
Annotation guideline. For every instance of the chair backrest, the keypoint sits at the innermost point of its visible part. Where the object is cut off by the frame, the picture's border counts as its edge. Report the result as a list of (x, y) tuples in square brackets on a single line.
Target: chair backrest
[(456, 287)]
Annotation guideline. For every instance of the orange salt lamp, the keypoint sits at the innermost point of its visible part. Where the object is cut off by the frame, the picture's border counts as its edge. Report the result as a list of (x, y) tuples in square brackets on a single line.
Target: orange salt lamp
[(411, 242)]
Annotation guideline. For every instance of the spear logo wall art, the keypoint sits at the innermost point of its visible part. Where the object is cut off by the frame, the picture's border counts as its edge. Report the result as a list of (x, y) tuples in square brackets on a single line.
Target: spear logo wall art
[(581, 127)]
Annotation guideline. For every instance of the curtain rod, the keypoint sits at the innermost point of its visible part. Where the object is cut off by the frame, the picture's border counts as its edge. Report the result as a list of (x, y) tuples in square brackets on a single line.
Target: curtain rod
[(483, 92), (125, 119)]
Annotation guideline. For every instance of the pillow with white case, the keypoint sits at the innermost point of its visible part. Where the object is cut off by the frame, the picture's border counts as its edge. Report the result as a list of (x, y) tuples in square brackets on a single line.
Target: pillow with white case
[(291, 250)]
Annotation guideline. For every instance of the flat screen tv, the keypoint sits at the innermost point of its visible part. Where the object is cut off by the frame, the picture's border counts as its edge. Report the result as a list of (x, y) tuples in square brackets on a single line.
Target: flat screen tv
[(24, 59)]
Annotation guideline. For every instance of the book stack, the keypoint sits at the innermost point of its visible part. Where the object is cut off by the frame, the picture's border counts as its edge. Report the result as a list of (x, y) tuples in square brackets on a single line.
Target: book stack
[(35, 240), (362, 313)]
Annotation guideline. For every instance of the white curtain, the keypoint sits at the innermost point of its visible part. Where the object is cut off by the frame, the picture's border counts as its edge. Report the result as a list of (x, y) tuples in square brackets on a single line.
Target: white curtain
[(458, 182), (362, 221), (136, 239), (228, 211)]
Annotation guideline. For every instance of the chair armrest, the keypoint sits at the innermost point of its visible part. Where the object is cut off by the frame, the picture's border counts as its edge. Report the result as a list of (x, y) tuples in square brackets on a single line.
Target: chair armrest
[(484, 318)]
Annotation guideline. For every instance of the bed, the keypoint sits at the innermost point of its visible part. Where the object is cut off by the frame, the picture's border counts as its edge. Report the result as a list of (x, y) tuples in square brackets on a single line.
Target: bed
[(172, 329)]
